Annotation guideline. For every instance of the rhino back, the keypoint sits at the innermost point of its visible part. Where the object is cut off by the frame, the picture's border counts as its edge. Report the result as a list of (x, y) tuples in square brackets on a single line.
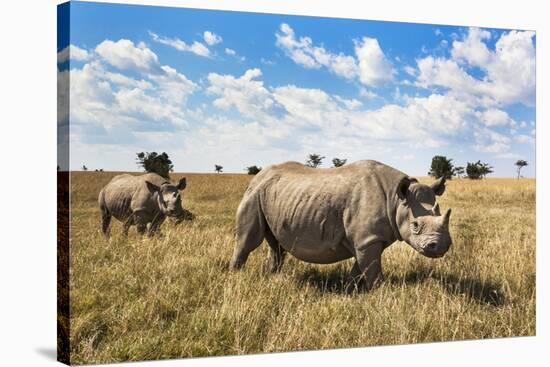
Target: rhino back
[(126, 193), (309, 210)]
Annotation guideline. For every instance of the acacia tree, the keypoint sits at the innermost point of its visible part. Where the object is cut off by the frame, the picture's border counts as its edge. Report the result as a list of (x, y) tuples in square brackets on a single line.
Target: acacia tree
[(84, 168), (478, 170), (520, 164), (155, 163), (441, 167), (458, 171), (337, 162), (314, 160), (253, 170), (218, 168)]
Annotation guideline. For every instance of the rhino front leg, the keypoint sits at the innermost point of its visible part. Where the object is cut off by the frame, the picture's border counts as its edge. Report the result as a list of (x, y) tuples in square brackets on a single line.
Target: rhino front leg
[(127, 224), (155, 225), (140, 220), (368, 267)]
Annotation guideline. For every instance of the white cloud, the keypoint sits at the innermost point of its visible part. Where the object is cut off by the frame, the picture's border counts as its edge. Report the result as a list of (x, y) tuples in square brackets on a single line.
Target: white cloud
[(173, 86), (508, 155), (374, 68), (74, 53), (509, 69), (106, 101), (444, 72), (430, 121), (369, 65), (473, 48), (267, 62), (124, 95), (300, 51), (307, 106), (489, 141), (196, 47), (364, 92), (231, 52), (524, 139), (495, 117), (247, 95), (350, 104), (410, 70), (211, 38), (124, 55)]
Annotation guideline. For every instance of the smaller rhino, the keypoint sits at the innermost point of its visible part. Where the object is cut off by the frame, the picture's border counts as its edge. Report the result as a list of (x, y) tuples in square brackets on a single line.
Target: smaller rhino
[(140, 200)]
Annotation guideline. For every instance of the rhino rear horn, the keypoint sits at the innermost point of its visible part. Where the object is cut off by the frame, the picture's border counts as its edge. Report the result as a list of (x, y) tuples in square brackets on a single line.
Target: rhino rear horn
[(439, 186)]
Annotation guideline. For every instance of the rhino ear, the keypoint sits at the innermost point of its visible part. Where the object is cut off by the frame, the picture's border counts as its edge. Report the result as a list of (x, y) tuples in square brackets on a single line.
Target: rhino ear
[(403, 188), (439, 186), (152, 187), (182, 184)]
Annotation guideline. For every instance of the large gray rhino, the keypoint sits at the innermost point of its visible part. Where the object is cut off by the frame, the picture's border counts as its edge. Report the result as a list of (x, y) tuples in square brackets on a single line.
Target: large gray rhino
[(140, 200), (328, 215)]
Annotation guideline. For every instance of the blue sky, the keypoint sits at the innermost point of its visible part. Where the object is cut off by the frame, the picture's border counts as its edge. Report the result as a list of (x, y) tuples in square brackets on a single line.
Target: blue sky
[(237, 89)]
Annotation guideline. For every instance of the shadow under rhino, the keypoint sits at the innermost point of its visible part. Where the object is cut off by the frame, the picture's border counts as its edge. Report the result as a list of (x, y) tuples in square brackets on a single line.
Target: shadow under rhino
[(485, 292), (338, 282)]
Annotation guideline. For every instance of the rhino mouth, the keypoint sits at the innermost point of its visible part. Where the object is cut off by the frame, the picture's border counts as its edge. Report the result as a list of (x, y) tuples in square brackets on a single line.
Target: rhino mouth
[(435, 250), (184, 215)]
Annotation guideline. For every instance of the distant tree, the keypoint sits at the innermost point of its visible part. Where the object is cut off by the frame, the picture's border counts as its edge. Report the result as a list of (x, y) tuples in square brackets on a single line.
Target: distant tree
[(253, 170), (478, 170), (218, 168), (155, 163), (96, 170), (101, 170), (520, 164), (458, 171), (315, 160), (84, 168), (441, 167), (337, 162)]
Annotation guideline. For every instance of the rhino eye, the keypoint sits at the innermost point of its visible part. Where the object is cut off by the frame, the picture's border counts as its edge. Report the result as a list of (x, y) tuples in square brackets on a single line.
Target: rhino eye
[(415, 226)]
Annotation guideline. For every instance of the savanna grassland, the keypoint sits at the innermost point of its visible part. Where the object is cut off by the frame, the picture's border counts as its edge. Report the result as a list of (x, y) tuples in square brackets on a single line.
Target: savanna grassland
[(140, 298)]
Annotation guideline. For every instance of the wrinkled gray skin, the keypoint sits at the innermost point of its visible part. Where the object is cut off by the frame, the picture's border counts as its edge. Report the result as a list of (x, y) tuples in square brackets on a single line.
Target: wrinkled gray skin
[(140, 200), (328, 215)]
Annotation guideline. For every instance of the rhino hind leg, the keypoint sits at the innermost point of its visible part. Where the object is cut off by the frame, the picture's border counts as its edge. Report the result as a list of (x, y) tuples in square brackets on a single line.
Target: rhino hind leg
[(105, 214), (251, 227), (105, 221), (276, 253)]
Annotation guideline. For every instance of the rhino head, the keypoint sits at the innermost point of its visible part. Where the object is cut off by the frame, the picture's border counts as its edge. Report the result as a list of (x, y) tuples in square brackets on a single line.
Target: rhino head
[(169, 197), (419, 219)]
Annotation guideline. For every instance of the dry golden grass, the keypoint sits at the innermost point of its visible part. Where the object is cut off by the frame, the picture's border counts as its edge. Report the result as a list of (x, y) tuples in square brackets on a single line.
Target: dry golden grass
[(170, 297)]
